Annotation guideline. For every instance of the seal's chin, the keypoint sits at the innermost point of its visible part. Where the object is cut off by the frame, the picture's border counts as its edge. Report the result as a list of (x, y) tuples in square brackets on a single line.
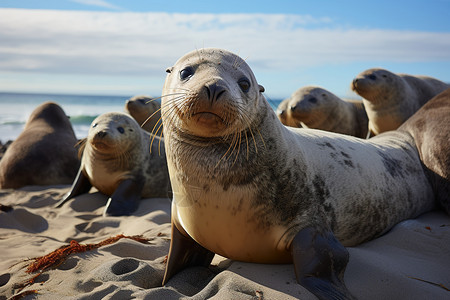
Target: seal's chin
[(207, 124)]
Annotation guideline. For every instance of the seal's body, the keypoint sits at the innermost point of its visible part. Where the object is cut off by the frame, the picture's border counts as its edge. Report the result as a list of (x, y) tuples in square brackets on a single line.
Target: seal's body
[(430, 129), (390, 99), (121, 160), (44, 153), (317, 108), (249, 188)]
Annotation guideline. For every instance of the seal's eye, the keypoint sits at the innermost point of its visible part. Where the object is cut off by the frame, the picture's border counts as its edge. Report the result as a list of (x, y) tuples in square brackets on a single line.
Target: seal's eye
[(186, 73), (244, 84), (312, 100), (94, 125), (120, 129)]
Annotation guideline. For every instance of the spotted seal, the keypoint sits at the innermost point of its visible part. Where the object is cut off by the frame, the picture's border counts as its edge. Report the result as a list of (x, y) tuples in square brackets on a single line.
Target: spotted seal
[(146, 111), (251, 189), (390, 99), (123, 161), (315, 107), (44, 153)]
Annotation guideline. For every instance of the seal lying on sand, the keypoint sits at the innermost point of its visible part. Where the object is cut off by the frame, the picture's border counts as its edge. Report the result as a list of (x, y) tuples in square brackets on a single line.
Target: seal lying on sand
[(390, 99), (251, 189), (146, 111), (123, 161), (317, 108), (44, 153)]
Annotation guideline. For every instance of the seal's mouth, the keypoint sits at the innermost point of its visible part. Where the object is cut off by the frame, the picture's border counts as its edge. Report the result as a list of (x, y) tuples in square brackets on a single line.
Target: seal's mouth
[(100, 145), (208, 119)]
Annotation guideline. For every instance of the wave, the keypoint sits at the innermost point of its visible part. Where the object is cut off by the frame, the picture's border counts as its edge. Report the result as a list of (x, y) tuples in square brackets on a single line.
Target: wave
[(82, 119), (12, 123)]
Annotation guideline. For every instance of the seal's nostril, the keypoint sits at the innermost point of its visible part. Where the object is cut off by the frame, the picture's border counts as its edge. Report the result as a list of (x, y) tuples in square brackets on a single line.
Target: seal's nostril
[(101, 134), (214, 91)]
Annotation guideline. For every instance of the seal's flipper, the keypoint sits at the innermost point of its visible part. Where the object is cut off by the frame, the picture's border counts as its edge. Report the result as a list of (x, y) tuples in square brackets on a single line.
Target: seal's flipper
[(184, 252), (80, 186), (125, 199), (320, 261)]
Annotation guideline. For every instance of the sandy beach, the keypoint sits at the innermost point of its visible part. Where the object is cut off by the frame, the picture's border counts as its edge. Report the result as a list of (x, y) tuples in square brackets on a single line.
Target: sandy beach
[(412, 261)]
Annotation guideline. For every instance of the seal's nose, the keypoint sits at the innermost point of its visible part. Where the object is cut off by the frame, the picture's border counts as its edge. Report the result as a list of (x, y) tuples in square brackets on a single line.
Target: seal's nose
[(214, 91), (101, 134)]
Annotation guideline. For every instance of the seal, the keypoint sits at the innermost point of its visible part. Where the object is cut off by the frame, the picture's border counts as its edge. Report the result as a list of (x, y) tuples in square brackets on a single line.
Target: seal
[(122, 161), (251, 189), (429, 127), (44, 153), (147, 112), (390, 99), (284, 115), (315, 107)]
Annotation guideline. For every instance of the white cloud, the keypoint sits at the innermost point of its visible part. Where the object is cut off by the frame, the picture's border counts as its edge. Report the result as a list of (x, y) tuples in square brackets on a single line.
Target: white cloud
[(112, 43), (73, 41), (99, 3)]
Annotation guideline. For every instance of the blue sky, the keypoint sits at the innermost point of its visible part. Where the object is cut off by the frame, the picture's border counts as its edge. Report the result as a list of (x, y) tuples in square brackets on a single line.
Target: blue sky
[(123, 47)]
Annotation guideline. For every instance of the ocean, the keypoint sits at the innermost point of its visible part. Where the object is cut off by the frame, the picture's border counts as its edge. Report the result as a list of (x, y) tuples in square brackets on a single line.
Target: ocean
[(15, 108)]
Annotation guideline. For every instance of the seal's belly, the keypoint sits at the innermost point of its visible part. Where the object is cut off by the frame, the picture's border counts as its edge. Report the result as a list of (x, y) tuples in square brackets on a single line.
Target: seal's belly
[(226, 224), (104, 180)]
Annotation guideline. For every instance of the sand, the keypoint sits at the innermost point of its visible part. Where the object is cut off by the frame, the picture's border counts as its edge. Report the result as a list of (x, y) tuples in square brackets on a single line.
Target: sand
[(412, 261)]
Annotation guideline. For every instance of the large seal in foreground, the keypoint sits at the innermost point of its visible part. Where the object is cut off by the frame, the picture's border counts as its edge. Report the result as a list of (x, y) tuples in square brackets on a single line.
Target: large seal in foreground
[(123, 161), (251, 189), (147, 112), (390, 99), (44, 153), (317, 108)]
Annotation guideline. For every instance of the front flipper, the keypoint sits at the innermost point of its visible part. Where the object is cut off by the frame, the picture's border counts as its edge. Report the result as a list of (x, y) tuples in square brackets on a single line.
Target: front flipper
[(125, 199), (80, 186), (319, 262), (184, 252)]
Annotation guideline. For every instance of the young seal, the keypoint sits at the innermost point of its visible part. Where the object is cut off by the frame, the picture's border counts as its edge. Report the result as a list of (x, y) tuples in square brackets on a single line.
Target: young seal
[(390, 99), (146, 111), (251, 189), (123, 161), (315, 107), (429, 127), (44, 153)]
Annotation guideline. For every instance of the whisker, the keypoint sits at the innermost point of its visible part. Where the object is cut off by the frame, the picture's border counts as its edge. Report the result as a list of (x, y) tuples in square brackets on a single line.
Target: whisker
[(148, 119), (239, 148)]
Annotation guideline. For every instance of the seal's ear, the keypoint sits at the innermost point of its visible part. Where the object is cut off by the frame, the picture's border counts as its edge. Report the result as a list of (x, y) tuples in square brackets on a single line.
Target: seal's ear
[(169, 70), (261, 88)]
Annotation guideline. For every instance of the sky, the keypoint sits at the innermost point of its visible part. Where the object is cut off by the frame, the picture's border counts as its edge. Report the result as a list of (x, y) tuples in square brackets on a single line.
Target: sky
[(112, 47)]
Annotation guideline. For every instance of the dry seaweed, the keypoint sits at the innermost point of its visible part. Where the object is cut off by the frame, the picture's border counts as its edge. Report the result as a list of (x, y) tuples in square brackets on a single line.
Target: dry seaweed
[(58, 256)]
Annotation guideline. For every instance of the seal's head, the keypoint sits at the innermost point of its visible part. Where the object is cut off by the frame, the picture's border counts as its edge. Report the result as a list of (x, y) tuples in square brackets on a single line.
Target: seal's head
[(113, 133), (49, 114), (377, 85), (312, 105), (213, 93), (146, 111)]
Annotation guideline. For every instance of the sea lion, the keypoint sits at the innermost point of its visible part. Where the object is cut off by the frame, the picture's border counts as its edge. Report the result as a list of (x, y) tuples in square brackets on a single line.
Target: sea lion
[(147, 112), (251, 189), (315, 107), (429, 127), (44, 153), (123, 161), (390, 99)]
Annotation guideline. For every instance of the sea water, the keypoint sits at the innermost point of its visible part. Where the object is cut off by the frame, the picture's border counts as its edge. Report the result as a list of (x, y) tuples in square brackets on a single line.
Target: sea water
[(16, 108)]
